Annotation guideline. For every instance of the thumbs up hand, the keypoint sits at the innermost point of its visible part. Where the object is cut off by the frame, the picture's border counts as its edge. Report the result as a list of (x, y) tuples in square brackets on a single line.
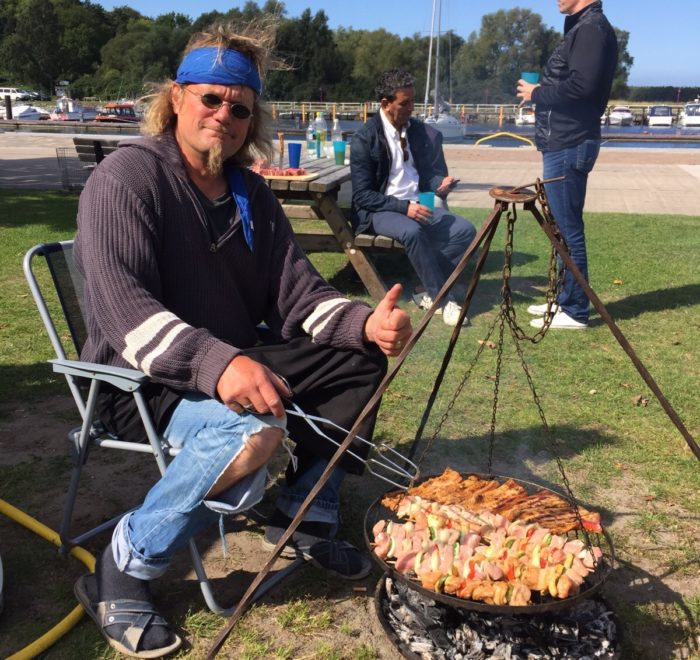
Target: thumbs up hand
[(388, 326)]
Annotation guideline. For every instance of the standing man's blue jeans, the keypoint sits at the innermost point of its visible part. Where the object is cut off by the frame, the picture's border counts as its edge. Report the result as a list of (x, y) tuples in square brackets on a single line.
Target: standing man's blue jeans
[(566, 200), (434, 249)]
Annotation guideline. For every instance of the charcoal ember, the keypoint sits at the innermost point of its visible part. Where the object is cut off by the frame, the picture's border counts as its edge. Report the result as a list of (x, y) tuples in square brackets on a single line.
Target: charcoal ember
[(429, 629)]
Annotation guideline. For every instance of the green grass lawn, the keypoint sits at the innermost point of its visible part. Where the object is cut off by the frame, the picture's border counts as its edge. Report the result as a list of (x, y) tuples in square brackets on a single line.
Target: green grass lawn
[(619, 450)]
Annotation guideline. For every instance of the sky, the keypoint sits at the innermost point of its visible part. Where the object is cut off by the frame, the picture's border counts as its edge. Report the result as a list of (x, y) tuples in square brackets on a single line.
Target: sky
[(663, 35)]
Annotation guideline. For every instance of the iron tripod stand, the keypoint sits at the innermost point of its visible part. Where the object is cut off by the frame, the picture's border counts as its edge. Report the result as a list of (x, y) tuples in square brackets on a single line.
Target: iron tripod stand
[(503, 199)]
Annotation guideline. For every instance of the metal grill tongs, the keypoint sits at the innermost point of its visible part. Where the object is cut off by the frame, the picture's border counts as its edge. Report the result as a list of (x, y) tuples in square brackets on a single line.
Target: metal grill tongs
[(378, 457)]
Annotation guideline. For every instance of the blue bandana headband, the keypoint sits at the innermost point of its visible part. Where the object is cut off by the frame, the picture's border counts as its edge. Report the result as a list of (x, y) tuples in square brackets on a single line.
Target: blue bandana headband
[(218, 67)]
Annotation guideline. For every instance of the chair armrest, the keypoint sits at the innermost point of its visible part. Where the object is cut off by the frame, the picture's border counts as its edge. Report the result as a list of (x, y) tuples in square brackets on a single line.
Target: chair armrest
[(127, 380)]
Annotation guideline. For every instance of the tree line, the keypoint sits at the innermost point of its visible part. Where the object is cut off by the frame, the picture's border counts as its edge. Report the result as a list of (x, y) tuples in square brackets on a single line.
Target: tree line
[(112, 54)]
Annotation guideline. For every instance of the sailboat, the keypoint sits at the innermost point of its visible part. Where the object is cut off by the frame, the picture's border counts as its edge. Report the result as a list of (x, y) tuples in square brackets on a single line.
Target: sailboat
[(440, 118)]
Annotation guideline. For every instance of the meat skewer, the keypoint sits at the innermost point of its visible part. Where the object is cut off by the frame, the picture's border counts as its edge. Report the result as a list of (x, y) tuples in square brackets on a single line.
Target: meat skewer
[(484, 555)]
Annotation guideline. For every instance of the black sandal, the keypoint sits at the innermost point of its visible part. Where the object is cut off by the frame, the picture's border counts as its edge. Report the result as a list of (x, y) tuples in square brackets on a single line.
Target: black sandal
[(139, 615)]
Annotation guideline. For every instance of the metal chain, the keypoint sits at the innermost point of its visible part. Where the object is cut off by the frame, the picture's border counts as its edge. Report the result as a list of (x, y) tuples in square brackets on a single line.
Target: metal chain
[(496, 389), (458, 392), (507, 314), (548, 433)]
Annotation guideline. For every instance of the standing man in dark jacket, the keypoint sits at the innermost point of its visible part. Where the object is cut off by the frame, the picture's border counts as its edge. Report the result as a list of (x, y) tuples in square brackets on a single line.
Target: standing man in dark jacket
[(393, 157), (570, 99)]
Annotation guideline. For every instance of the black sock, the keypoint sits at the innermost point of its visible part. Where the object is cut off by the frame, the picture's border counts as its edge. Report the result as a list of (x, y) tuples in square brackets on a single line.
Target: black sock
[(112, 584)]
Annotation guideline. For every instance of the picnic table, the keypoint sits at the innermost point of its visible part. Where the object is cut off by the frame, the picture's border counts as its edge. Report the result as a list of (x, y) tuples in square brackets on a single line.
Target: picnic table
[(317, 193), (314, 194)]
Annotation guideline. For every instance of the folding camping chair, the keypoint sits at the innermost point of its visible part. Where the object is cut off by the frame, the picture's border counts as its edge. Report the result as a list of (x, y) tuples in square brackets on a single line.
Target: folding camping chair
[(68, 287)]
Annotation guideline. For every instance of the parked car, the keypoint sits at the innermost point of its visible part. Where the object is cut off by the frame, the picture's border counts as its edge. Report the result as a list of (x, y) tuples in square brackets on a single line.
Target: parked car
[(14, 93)]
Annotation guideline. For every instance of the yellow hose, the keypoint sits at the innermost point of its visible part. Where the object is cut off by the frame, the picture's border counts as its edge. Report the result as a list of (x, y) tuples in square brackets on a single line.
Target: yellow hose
[(63, 626)]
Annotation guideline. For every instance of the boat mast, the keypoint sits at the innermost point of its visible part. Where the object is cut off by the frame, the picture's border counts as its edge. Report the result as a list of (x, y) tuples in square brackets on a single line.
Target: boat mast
[(437, 61), (430, 61)]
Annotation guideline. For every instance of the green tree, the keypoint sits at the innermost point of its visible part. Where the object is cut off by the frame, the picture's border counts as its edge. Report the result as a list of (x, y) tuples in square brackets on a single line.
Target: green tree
[(315, 65), (84, 29), (624, 64), (488, 64), (148, 51), (31, 51)]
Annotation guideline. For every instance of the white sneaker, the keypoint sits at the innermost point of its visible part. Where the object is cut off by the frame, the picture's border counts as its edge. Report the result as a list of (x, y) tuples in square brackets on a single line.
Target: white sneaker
[(539, 310), (451, 312), (561, 321), (424, 301)]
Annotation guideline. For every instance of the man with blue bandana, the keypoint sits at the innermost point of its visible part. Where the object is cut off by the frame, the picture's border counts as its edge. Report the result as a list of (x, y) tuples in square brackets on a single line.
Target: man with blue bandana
[(193, 275)]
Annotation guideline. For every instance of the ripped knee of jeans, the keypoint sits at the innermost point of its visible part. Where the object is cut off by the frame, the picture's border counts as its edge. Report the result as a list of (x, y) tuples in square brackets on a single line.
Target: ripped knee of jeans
[(257, 446)]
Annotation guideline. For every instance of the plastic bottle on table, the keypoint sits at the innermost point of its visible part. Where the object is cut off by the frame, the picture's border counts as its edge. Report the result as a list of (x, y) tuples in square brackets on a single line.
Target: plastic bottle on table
[(311, 139), (336, 132), (321, 134)]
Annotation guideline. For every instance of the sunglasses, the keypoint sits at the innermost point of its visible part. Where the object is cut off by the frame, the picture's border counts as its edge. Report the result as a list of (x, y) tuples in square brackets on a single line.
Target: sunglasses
[(214, 102)]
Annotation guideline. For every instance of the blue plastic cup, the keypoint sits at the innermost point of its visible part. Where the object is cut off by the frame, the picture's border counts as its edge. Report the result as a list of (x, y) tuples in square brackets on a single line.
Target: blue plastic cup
[(339, 151), (427, 199), (294, 151), (531, 77)]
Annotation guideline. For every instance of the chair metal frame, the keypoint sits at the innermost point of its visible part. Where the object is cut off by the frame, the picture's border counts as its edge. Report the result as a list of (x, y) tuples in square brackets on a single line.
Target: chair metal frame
[(90, 433)]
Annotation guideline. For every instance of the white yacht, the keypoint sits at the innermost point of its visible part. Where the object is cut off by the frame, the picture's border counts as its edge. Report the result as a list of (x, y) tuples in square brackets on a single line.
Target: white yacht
[(24, 112), (690, 115), (71, 110), (525, 116), (440, 117), (620, 115), (660, 115)]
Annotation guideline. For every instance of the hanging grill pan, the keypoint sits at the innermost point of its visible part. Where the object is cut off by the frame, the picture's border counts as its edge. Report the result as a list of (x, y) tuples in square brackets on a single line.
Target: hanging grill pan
[(540, 604)]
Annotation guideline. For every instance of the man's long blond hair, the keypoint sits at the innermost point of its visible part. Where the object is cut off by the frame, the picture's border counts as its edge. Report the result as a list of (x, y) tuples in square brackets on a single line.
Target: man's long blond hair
[(256, 41)]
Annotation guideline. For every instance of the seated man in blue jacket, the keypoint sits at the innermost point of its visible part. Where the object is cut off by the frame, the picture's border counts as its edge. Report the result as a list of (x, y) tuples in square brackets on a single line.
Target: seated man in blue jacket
[(392, 160)]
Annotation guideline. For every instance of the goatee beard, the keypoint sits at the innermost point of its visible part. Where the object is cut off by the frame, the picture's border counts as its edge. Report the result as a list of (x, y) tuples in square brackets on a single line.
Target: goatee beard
[(215, 160)]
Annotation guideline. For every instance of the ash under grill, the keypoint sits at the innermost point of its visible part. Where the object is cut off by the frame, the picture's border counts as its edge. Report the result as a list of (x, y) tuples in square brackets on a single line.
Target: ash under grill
[(422, 628)]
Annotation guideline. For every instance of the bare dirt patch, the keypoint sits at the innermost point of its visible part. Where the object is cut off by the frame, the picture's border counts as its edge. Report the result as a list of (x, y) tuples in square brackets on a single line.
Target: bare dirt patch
[(329, 618)]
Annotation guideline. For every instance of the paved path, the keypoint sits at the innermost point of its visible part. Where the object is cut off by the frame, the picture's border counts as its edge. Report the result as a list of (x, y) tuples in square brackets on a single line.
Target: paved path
[(625, 180)]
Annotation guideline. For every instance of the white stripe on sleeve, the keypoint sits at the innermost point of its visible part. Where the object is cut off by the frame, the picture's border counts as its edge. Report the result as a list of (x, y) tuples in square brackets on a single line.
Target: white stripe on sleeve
[(144, 334), (315, 322)]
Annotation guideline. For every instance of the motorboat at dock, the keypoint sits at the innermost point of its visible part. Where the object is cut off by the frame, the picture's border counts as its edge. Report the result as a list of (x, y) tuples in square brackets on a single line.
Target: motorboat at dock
[(660, 115), (525, 116), (118, 111), (690, 115), (24, 112), (620, 115), (71, 110), (440, 117)]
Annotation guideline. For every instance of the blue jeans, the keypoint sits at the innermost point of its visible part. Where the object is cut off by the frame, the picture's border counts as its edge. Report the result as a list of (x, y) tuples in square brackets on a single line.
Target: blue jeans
[(434, 249), (566, 200), (210, 436), (327, 503)]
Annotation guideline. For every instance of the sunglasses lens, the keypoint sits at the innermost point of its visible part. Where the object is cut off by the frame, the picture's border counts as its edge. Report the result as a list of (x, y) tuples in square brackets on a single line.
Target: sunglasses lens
[(214, 102), (240, 111), (211, 101)]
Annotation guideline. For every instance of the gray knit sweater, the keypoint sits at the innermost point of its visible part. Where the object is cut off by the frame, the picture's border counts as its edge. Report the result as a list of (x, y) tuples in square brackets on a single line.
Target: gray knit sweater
[(162, 296)]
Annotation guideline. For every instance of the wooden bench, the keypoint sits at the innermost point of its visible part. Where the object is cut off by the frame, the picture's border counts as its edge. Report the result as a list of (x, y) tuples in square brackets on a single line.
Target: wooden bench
[(93, 150)]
